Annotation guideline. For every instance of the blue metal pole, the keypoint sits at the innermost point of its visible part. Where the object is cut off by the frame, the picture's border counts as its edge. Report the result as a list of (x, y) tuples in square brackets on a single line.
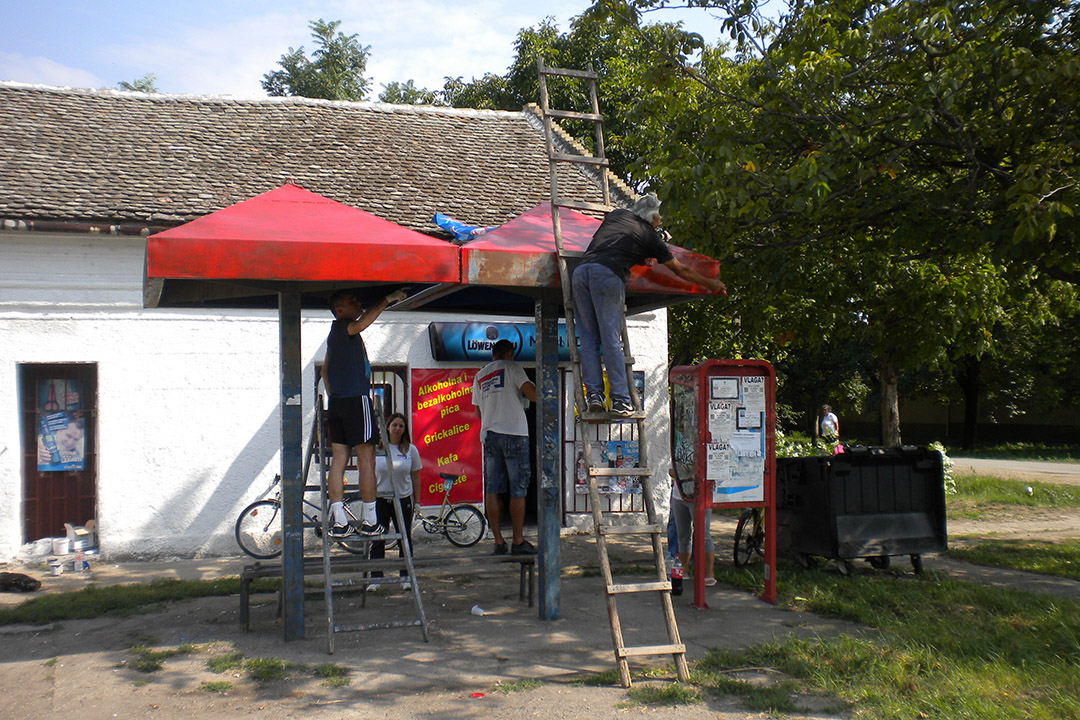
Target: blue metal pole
[(549, 469), (292, 483)]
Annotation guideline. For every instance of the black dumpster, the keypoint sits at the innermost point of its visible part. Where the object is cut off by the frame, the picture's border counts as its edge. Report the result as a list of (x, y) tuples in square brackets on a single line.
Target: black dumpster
[(868, 502)]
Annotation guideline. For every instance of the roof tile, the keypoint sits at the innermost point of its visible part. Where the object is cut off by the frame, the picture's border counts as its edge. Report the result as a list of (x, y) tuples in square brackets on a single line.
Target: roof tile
[(116, 157)]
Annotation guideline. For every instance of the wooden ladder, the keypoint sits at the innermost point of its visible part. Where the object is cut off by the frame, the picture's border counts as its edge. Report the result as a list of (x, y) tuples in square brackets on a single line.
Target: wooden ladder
[(602, 424), (359, 573)]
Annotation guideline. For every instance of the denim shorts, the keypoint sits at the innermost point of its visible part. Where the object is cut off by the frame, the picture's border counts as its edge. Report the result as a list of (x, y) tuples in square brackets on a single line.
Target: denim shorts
[(506, 464)]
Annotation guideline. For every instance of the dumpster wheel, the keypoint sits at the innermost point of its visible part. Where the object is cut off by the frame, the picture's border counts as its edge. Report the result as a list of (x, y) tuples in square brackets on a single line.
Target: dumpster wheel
[(879, 562), (916, 562)]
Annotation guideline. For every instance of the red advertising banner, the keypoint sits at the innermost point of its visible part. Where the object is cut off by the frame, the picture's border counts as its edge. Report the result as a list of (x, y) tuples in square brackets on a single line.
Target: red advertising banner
[(446, 431)]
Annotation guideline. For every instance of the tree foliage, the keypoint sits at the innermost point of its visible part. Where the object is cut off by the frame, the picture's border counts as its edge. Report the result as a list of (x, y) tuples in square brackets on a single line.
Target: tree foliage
[(335, 70), (894, 173), (408, 94), (594, 40), (146, 84)]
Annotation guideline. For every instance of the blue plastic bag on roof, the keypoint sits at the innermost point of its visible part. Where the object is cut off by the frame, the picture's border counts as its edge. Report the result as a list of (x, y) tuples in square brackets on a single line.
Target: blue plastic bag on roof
[(462, 233)]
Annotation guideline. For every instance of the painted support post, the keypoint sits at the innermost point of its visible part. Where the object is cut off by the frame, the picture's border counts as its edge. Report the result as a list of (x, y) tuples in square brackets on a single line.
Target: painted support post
[(549, 475), (291, 411)]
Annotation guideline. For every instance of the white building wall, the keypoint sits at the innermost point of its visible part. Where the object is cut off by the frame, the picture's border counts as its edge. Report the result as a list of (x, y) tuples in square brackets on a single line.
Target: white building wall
[(188, 426)]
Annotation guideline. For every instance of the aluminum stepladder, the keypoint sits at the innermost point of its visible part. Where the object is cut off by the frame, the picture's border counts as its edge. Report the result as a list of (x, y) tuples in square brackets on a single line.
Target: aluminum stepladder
[(600, 424), (359, 573)]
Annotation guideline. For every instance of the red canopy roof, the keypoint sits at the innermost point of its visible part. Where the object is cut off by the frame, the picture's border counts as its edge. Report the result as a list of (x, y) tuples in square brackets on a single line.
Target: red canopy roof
[(292, 240), (522, 253), (291, 234)]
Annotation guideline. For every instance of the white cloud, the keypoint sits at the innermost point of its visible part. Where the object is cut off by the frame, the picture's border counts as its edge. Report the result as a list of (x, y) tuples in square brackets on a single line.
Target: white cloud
[(224, 59), (221, 51), (43, 71)]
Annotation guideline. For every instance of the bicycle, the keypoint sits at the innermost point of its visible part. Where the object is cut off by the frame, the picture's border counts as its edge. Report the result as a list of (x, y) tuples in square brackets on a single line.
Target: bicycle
[(463, 525), (258, 528), (749, 536)]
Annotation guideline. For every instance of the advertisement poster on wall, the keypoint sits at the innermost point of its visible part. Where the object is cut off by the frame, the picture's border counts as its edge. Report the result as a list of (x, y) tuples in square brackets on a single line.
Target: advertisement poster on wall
[(61, 431), (446, 432)]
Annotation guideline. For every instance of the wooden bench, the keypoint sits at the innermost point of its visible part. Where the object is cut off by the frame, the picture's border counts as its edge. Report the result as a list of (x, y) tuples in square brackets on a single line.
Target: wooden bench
[(424, 566)]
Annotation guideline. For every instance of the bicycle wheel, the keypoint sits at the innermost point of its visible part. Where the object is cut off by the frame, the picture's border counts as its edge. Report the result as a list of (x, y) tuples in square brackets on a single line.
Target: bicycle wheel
[(746, 544), (258, 529), (464, 526)]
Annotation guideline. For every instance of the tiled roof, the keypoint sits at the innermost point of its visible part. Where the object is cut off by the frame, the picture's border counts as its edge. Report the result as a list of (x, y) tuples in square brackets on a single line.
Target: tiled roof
[(102, 156)]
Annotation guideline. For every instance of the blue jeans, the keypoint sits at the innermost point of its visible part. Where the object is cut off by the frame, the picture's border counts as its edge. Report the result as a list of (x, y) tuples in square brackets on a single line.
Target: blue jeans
[(599, 307), (506, 464)]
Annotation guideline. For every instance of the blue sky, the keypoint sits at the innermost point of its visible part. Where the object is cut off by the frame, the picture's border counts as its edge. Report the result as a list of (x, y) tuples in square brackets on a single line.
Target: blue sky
[(224, 47)]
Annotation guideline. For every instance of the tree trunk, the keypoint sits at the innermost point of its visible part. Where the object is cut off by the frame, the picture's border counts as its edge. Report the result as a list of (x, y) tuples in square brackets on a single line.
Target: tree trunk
[(890, 403), (969, 377)]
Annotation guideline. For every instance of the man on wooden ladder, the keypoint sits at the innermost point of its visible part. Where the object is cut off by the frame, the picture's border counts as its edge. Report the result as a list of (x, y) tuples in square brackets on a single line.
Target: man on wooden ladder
[(625, 238)]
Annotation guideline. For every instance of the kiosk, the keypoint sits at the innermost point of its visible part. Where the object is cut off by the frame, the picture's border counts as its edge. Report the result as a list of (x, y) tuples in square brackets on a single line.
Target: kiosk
[(723, 448)]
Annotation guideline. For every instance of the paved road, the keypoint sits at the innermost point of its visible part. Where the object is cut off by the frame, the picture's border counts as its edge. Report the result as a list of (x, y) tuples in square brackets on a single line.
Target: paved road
[(1067, 473)]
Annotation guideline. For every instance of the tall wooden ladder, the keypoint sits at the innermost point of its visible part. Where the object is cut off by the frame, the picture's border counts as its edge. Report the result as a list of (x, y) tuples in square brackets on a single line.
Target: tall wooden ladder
[(356, 575), (602, 425)]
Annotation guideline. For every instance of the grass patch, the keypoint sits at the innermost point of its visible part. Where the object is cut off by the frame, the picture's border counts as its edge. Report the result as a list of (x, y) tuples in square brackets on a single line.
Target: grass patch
[(1024, 451), (148, 660), (51, 662), (937, 647), (221, 687), (669, 694), (119, 600), (602, 679), (1060, 558), (266, 670), (517, 686), (984, 491), (333, 675), (226, 662)]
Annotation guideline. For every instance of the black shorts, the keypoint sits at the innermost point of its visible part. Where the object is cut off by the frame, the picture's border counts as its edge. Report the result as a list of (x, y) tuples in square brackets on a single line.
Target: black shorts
[(351, 421)]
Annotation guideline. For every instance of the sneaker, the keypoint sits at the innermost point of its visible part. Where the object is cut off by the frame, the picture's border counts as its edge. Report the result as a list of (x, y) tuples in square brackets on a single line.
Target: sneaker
[(500, 549), (522, 548), (372, 529), (621, 408), (596, 402), (406, 586), (340, 531)]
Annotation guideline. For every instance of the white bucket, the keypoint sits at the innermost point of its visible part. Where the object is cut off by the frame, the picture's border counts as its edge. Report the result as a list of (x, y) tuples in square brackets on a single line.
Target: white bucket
[(61, 546)]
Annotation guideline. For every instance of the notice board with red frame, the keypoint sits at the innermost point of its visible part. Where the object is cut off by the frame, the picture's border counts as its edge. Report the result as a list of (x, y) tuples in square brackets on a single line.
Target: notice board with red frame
[(723, 444)]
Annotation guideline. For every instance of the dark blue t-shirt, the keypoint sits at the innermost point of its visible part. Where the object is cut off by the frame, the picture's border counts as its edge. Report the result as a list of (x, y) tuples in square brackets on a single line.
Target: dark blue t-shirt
[(624, 240), (347, 366)]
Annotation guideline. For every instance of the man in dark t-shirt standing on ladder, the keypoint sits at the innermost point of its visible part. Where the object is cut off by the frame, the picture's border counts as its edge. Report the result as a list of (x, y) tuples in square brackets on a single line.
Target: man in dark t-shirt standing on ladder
[(625, 238), (346, 376)]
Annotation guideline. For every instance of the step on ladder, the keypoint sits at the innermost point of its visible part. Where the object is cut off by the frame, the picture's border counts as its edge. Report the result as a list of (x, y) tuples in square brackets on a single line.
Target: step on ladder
[(602, 425), (359, 574)]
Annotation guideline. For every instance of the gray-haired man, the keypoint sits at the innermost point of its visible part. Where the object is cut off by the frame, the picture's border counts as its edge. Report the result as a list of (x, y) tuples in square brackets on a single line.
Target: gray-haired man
[(625, 238)]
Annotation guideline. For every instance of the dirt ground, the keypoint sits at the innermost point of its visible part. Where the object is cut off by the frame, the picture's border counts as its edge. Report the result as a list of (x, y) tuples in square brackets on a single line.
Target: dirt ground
[(85, 668)]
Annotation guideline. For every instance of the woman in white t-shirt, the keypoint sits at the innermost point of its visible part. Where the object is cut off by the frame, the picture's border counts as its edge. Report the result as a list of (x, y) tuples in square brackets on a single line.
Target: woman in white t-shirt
[(829, 424), (406, 480)]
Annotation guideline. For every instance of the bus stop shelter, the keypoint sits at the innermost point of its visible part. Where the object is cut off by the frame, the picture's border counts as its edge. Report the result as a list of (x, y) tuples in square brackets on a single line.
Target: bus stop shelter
[(290, 248)]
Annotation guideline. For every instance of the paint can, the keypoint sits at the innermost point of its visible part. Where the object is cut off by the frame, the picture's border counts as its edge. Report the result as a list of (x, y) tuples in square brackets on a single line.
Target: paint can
[(61, 546), (55, 567)]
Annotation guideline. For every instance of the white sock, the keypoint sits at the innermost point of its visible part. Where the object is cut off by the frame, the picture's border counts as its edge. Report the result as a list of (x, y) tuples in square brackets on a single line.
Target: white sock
[(338, 512), (368, 514)]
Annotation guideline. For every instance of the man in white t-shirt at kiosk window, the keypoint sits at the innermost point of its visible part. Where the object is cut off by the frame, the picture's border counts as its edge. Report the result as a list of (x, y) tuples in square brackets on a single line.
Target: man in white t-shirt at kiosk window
[(501, 391)]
